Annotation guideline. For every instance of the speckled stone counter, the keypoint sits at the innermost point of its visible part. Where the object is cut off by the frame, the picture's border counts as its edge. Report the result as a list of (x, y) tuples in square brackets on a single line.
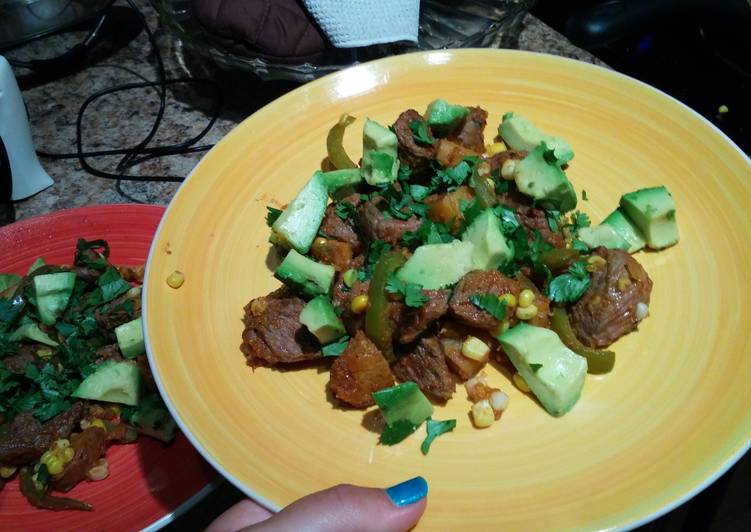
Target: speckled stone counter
[(122, 119)]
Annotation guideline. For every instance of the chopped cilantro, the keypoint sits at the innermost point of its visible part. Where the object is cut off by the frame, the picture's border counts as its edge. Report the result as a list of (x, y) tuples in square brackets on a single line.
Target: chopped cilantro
[(454, 175), (419, 192), (336, 348), (578, 220), (501, 185), (272, 214), (570, 286), (535, 367), (509, 223), (430, 232), (375, 249), (435, 428), (554, 218), (344, 210), (580, 246), (491, 304), (420, 132), (413, 295), (471, 209), (584, 195)]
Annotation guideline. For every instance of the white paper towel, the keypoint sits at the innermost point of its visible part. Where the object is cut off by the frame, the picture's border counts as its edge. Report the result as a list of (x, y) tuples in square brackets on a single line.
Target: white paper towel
[(352, 23), (28, 175)]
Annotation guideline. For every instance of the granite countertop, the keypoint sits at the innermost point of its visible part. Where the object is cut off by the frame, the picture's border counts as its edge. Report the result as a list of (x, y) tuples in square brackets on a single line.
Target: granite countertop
[(124, 118)]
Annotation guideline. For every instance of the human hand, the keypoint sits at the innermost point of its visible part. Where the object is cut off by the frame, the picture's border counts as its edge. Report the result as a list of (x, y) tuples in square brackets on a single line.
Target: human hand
[(341, 508)]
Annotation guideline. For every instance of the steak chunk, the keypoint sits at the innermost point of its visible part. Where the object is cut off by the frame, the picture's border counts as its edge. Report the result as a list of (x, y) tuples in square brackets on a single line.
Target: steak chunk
[(411, 153), (377, 225), (26, 438), (414, 321), (608, 309), (359, 371), (531, 218), (343, 230), (471, 132), (480, 282), (426, 366), (273, 332)]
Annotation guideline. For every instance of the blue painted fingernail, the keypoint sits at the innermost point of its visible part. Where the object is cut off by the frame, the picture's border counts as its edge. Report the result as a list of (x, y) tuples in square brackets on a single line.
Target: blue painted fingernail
[(408, 492)]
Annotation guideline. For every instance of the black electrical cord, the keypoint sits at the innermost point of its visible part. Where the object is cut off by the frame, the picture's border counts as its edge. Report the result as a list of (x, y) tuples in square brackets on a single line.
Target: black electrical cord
[(140, 152)]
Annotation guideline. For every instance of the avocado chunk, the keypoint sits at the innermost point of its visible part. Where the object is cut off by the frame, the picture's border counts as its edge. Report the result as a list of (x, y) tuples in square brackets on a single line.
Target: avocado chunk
[(602, 235), (435, 266), (309, 277), (491, 249), (341, 182), (380, 162), (52, 293), (652, 210), (114, 382), (520, 134), (152, 418), (443, 117), (626, 228), (8, 280), (553, 372), (31, 331), (298, 225), (539, 176), (404, 402), (130, 338), (320, 318)]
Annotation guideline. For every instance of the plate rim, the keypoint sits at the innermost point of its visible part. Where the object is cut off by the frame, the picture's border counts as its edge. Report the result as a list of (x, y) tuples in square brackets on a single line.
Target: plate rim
[(248, 491), (169, 516)]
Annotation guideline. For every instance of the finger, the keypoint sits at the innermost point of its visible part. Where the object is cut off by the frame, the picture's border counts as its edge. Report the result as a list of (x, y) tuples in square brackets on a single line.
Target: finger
[(346, 508), (243, 514)]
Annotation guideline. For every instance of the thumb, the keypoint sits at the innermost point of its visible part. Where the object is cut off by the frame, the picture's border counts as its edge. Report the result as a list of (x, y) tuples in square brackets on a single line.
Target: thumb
[(346, 508)]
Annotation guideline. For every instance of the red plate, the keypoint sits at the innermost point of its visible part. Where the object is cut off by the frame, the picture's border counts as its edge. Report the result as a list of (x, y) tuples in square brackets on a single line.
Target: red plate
[(148, 483)]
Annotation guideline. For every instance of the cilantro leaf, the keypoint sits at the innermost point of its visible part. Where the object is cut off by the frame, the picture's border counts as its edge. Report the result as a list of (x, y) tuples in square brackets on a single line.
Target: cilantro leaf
[(419, 192), (584, 195), (554, 218), (396, 432), (344, 210), (435, 428), (471, 209), (580, 246), (420, 132), (272, 214), (110, 285), (375, 249), (430, 232), (535, 367), (336, 348), (490, 303), (570, 286), (413, 295), (509, 222), (455, 175), (92, 254), (577, 221)]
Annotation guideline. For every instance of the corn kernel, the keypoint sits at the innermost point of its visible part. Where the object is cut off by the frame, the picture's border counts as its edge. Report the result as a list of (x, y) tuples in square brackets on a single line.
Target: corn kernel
[(44, 352), (482, 414), (475, 349), (499, 329), (496, 147), (349, 277), (98, 423), (509, 298), (176, 279), (526, 298), (623, 283), (100, 471), (508, 169), (7, 471), (520, 383), (499, 401), (319, 242), (359, 304), (642, 310), (46, 457), (483, 169), (62, 443), (527, 313), (54, 465), (67, 454)]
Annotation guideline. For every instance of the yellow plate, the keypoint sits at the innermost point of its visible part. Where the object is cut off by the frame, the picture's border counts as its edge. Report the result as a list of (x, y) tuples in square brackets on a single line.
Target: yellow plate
[(674, 413)]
